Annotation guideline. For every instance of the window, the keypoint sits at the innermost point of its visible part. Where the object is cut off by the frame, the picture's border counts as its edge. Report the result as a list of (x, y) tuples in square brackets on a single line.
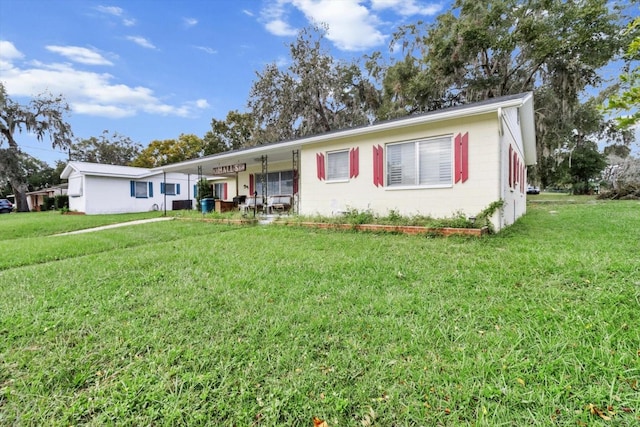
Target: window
[(338, 166), (169, 189), (141, 189), (420, 163), (220, 190), (277, 182)]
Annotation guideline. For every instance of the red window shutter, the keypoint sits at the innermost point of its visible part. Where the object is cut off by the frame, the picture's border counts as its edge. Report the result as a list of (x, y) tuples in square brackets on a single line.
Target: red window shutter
[(380, 167), (523, 172), (465, 157), (224, 191), (351, 163), (320, 166), (515, 164), (510, 167), (375, 166), (354, 162), (457, 161), (251, 184)]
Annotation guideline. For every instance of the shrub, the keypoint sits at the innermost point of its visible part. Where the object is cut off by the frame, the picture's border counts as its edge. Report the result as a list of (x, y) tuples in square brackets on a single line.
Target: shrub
[(61, 202), (48, 203)]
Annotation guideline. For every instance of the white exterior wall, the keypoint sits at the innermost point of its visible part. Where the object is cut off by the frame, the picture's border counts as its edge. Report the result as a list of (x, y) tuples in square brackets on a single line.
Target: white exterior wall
[(469, 198), (514, 196), (107, 195), (77, 194)]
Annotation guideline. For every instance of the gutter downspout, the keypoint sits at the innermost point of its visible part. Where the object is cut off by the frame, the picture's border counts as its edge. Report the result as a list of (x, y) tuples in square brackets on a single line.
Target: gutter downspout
[(164, 180)]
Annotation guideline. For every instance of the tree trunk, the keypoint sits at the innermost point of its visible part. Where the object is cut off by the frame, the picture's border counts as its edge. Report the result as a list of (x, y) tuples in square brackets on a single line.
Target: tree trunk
[(20, 192)]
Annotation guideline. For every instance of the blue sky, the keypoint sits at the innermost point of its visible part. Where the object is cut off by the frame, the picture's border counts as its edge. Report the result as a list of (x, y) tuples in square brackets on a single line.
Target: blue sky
[(155, 69)]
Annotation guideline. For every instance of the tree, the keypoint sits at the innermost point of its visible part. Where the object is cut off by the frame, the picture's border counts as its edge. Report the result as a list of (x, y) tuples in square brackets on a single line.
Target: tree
[(43, 115), (586, 164), (628, 98), (315, 94), (108, 149), (159, 153), (39, 174), (486, 48), (237, 131)]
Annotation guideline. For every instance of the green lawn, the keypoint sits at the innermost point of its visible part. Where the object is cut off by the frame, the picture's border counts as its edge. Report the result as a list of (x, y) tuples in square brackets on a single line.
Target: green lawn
[(191, 323), (38, 224)]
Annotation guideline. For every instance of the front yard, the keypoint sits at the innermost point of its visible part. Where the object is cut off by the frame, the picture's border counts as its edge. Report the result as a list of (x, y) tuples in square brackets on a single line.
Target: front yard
[(192, 323)]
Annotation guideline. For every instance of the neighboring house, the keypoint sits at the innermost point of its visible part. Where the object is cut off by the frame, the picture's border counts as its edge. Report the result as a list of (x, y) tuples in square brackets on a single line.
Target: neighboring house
[(448, 162), (99, 189), (35, 199)]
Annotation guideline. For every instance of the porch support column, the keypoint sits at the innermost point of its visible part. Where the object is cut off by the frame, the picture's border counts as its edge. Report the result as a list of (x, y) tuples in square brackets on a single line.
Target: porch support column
[(164, 180)]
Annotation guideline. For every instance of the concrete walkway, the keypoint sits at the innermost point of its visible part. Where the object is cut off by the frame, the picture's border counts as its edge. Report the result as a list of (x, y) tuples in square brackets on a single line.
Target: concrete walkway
[(120, 224)]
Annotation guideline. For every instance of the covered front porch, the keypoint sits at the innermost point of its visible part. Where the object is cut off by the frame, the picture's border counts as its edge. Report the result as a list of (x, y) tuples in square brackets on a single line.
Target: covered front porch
[(261, 180)]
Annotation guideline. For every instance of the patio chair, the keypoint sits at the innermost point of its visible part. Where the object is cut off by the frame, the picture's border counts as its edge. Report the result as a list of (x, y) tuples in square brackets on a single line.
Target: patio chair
[(280, 203), (250, 203)]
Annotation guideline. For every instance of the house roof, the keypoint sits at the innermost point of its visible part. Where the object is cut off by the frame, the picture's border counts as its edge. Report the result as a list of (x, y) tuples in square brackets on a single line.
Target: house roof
[(97, 169), (279, 151), (48, 190)]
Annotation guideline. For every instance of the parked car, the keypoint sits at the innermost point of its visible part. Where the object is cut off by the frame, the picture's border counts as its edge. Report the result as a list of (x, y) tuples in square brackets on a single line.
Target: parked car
[(5, 206), (533, 190)]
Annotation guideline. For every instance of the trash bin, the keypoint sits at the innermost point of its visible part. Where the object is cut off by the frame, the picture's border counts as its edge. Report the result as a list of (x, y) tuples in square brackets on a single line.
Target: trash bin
[(207, 205)]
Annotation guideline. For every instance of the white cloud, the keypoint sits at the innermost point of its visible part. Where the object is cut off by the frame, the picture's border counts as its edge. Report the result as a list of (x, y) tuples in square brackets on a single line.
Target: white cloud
[(141, 41), (354, 25), (117, 12), (110, 111), (247, 12), (274, 18), (190, 22), (407, 7), (206, 49), (280, 28), (8, 51), (88, 93), (80, 54), (110, 10)]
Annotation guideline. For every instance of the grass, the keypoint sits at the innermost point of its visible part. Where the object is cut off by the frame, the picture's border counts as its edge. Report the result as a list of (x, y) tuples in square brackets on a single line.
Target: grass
[(38, 224), (193, 323)]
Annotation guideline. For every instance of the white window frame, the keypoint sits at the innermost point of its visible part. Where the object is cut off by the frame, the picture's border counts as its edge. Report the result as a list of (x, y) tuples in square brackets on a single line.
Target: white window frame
[(338, 170), (438, 152), (138, 193)]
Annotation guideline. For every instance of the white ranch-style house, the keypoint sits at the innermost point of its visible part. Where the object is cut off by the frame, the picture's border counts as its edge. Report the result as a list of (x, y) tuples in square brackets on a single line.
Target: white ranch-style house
[(100, 189), (453, 161)]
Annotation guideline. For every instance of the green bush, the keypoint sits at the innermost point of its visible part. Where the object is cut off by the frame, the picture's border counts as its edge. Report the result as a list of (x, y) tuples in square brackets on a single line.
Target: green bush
[(48, 203), (61, 202)]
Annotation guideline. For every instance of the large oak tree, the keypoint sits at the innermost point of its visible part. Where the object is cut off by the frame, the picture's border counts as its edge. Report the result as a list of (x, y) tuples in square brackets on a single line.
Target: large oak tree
[(481, 49), (167, 151), (114, 149), (43, 116), (314, 94)]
